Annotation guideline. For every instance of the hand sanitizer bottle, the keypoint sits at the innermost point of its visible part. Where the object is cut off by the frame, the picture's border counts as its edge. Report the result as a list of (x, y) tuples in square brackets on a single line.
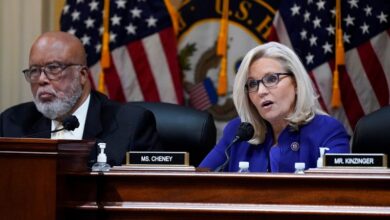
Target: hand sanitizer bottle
[(299, 168), (101, 164), (243, 167), (320, 160)]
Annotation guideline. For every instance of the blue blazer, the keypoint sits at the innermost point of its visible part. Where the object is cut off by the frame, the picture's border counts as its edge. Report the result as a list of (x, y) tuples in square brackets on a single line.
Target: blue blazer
[(293, 146)]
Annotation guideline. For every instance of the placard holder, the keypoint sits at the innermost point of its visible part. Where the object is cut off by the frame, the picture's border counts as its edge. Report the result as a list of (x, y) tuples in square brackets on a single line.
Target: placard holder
[(157, 158), (355, 160), (154, 168)]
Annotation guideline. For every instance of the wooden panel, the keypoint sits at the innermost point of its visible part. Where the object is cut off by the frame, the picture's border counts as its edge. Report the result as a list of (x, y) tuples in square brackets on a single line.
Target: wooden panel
[(48, 179), (190, 195), (254, 188), (186, 211), (32, 174), (27, 188)]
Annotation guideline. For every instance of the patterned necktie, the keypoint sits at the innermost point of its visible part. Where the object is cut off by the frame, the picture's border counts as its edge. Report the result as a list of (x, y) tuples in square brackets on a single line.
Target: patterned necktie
[(58, 134)]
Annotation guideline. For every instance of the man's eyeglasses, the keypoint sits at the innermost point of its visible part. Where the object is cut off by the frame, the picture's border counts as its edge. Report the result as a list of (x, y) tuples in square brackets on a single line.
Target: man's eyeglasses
[(52, 71), (269, 81)]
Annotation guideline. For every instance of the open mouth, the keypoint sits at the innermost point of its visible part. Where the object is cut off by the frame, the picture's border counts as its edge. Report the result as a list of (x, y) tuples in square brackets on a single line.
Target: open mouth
[(266, 103)]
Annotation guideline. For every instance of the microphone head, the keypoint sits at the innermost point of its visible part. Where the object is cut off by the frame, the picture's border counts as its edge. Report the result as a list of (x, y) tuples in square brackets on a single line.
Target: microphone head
[(70, 123), (245, 131)]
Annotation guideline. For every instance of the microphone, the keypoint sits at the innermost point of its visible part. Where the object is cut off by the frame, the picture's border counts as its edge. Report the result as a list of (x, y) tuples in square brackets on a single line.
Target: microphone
[(244, 133), (69, 123)]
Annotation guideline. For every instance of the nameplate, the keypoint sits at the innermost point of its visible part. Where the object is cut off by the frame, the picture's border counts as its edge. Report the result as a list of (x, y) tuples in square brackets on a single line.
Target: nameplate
[(355, 160), (157, 158)]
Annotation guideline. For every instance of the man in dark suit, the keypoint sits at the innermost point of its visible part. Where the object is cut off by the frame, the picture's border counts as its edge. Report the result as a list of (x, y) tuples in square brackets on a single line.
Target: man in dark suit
[(371, 134), (58, 77)]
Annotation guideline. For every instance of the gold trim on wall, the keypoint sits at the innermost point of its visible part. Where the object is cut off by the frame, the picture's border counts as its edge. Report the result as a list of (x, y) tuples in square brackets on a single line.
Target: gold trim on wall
[(58, 5)]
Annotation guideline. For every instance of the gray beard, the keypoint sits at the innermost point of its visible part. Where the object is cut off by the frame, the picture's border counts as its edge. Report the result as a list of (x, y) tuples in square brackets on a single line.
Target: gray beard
[(60, 106)]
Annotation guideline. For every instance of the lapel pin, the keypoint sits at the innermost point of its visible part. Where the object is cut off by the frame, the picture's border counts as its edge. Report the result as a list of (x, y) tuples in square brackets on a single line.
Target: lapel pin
[(294, 146)]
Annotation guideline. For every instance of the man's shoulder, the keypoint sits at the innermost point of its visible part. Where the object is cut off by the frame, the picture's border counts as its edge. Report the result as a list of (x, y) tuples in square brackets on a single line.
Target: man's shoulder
[(18, 119), (99, 97), (134, 111), (380, 115), (101, 104), (111, 105), (20, 110)]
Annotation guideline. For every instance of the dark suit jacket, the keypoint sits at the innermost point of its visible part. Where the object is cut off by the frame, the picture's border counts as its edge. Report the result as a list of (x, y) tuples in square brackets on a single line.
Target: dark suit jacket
[(371, 134), (123, 127)]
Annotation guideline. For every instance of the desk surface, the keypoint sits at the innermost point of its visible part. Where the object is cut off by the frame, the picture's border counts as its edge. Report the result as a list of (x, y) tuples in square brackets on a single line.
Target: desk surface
[(38, 181), (206, 195)]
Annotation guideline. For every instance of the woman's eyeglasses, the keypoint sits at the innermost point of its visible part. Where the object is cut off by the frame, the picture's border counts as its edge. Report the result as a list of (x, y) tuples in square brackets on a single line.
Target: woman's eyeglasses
[(269, 81)]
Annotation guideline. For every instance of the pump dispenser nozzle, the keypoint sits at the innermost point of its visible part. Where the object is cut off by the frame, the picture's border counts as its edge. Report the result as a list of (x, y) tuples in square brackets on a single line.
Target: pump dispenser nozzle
[(101, 164), (102, 157)]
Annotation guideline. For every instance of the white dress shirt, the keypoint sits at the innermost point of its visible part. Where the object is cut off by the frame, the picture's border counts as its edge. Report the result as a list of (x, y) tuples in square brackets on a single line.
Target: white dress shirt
[(76, 134)]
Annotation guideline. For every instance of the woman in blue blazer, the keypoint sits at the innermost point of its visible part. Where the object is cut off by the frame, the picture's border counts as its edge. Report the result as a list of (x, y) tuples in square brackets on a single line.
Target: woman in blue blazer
[(273, 92)]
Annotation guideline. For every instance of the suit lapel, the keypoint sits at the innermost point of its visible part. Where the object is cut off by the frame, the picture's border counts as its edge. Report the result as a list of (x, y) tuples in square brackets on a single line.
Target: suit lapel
[(42, 128), (93, 125)]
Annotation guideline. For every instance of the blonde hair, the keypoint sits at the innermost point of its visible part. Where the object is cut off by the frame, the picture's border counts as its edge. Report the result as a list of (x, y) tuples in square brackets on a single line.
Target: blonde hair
[(306, 104)]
